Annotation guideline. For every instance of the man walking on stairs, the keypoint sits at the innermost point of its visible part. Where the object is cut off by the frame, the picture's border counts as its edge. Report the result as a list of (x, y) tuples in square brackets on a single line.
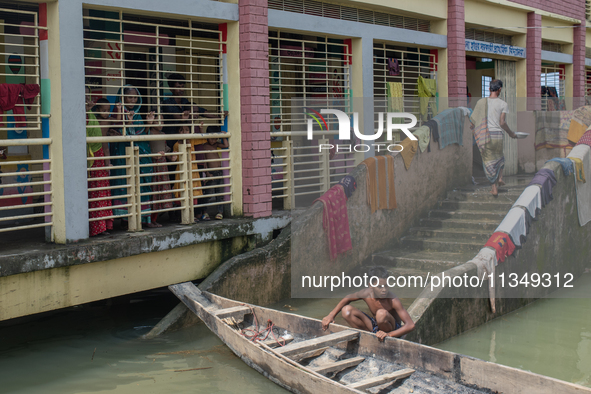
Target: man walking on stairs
[(489, 120)]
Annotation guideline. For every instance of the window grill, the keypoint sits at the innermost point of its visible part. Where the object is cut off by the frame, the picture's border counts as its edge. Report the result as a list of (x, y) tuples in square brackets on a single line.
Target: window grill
[(25, 172), (553, 87), (306, 71), (412, 63), (487, 36), (588, 85), (122, 49), (486, 80), (337, 11), (125, 49), (551, 46)]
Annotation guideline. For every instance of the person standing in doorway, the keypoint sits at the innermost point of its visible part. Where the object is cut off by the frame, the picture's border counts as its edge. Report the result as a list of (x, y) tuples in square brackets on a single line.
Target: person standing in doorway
[(489, 121)]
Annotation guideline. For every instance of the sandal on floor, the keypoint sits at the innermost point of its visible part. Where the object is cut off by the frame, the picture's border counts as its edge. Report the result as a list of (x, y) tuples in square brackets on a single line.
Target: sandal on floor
[(205, 217), (219, 216)]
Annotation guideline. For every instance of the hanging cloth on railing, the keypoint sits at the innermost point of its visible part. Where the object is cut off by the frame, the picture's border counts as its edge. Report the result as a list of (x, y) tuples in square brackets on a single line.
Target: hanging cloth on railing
[(394, 93), (427, 88), (380, 182), (12, 94), (583, 189), (335, 220)]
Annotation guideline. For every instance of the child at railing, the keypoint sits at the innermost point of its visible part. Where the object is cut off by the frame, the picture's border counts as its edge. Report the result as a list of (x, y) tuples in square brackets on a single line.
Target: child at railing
[(106, 121), (212, 167), (160, 169), (199, 211), (96, 175)]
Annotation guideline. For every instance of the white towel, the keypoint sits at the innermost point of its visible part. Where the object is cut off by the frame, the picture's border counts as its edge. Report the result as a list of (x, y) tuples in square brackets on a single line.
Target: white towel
[(583, 189), (530, 199), (485, 262), (515, 225), (466, 111)]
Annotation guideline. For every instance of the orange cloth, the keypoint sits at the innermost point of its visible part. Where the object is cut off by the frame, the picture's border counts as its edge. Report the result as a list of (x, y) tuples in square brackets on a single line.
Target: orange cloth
[(194, 167), (380, 182), (409, 150), (576, 131)]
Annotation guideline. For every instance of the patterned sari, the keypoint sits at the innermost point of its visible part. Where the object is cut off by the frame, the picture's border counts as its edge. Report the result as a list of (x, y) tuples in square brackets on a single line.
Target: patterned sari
[(96, 171)]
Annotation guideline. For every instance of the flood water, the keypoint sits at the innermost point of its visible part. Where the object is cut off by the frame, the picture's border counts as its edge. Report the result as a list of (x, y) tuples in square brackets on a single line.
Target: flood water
[(551, 337), (99, 349)]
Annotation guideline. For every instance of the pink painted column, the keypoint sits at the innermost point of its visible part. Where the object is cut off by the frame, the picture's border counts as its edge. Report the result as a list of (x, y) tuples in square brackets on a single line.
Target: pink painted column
[(456, 53), (579, 65), (533, 61), (255, 109)]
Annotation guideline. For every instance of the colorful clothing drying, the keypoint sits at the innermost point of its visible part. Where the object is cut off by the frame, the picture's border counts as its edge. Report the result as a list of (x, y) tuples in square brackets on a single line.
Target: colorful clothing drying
[(335, 220), (380, 182), (502, 244), (546, 180)]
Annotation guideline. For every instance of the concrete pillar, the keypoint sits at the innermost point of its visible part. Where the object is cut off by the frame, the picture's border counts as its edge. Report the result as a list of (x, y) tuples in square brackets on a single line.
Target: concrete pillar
[(364, 64), (440, 27), (67, 122), (255, 108), (534, 61), (579, 35), (456, 52), (232, 92)]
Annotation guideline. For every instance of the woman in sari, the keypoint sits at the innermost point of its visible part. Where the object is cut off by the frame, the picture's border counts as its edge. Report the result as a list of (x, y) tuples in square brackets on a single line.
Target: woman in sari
[(127, 107), (96, 171)]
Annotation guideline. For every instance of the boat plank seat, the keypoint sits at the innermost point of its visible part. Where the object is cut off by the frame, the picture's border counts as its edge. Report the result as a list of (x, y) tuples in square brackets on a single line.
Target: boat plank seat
[(272, 343), (311, 344), (311, 354), (381, 379), (339, 365), (237, 312)]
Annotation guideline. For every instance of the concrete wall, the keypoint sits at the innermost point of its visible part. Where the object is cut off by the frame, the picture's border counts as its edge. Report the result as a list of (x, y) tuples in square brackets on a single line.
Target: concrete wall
[(429, 178), (54, 278), (555, 244)]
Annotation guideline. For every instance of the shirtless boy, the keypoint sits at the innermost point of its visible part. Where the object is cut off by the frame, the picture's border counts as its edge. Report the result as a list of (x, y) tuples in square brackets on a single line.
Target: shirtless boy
[(387, 310)]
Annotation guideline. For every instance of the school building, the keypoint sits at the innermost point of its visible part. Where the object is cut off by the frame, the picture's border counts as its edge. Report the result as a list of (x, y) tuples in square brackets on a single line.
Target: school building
[(259, 61)]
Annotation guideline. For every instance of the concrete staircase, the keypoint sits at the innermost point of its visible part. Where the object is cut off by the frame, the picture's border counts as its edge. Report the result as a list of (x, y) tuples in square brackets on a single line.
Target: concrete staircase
[(454, 231)]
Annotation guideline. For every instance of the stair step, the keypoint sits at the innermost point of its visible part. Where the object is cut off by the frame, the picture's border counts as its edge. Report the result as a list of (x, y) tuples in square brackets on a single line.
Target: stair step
[(467, 215), (457, 195), (483, 225), (457, 234), (442, 244), (503, 206), (421, 260)]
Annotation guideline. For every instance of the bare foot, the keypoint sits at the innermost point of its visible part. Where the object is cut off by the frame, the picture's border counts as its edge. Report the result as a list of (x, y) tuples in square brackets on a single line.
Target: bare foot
[(157, 224), (495, 190), (501, 183), (150, 225)]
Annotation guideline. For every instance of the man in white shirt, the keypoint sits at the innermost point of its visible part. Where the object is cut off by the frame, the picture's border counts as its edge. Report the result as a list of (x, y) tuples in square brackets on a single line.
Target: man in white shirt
[(491, 147)]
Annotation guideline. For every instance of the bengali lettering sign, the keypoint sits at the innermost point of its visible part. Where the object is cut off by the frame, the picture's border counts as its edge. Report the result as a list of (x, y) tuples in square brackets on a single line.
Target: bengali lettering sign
[(497, 49)]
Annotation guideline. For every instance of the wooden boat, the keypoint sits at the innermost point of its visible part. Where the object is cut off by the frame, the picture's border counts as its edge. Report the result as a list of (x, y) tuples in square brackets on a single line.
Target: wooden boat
[(346, 360)]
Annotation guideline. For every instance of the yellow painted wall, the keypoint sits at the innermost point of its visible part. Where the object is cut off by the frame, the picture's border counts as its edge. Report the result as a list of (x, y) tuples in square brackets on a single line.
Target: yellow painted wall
[(486, 14), (563, 34), (425, 8), (46, 290)]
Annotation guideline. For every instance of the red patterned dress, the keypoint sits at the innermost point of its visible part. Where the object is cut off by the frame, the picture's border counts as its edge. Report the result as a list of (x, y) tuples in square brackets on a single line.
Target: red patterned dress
[(96, 172)]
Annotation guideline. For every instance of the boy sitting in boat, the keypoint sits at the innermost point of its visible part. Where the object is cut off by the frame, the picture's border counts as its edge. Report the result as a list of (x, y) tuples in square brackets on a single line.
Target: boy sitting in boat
[(388, 312)]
